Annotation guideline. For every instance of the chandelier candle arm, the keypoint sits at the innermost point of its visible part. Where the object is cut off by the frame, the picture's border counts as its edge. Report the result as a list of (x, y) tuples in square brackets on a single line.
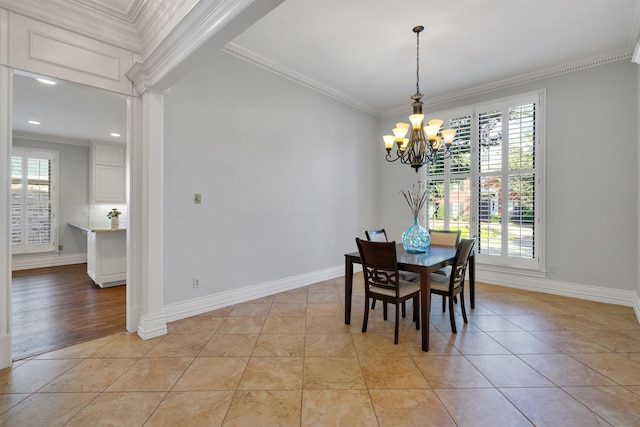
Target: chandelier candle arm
[(424, 142)]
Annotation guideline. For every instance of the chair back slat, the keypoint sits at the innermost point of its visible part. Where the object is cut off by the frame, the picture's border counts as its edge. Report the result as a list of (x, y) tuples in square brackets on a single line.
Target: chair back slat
[(376, 235), (449, 238)]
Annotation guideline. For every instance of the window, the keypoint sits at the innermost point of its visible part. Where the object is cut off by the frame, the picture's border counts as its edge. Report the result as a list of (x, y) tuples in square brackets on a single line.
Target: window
[(450, 180), (33, 200), (491, 185)]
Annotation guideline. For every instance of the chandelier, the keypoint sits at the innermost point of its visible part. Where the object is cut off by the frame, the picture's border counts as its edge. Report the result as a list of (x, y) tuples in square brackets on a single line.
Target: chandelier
[(425, 144)]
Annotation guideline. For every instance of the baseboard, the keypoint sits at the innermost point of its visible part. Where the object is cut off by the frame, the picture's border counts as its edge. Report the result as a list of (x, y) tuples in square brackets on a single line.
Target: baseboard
[(48, 259), (149, 328), (538, 284), (152, 326), (197, 306), (5, 352)]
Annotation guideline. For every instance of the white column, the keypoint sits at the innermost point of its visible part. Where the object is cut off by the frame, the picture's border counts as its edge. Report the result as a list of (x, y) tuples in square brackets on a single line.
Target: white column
[(636, 303), (134, 200), (6, 91), (146, 203)]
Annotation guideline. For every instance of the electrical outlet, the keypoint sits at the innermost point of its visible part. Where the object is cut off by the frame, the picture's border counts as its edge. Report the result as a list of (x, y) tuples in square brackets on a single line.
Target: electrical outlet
[(196, 283), (60, 248), (197, 198)]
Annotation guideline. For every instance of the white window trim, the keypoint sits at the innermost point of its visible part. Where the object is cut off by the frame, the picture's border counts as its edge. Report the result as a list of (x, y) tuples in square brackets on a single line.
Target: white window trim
[(24, 247)]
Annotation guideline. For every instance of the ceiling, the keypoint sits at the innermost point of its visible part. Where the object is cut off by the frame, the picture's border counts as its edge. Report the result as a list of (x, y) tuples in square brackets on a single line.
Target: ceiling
[(363, 52), (67, 110)]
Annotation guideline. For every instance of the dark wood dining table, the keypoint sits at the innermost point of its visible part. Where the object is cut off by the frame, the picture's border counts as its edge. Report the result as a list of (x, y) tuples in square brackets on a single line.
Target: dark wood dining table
[(424, 264)]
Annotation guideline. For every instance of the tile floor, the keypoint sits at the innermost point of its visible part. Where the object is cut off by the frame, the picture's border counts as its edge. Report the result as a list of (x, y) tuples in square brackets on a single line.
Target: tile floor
[(525, 358)]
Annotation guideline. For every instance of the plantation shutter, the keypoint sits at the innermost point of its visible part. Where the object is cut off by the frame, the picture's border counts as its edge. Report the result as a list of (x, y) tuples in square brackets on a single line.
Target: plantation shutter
[(506, 183), (449, 179), (33, 222)]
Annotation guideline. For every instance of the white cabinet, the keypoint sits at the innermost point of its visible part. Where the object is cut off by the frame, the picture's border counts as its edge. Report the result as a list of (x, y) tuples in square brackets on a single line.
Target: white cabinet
[(107, 257), (108, 173)]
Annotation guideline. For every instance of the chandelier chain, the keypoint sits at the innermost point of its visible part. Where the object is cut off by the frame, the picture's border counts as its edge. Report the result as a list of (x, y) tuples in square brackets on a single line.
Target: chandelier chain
[(417, 62)]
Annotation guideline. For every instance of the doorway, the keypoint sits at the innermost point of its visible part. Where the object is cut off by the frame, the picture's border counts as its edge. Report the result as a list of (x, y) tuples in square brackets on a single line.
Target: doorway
[(68, 118)]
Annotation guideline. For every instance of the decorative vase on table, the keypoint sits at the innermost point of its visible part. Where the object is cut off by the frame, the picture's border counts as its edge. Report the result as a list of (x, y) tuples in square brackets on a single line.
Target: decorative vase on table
[(416, 239), (115, 222)]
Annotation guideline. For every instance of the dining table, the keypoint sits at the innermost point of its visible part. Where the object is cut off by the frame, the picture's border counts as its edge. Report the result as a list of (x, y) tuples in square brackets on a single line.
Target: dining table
[(435, 258)]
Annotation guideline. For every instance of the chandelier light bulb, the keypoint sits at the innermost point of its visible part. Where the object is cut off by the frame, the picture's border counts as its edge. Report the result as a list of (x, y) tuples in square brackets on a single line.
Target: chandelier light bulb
[(447, 135), (416, 120), (388, 142)]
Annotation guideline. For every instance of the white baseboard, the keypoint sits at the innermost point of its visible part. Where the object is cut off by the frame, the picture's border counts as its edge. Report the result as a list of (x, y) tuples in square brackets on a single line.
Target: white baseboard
[(541, 284), (196, 306), (5, 352), (46, 259), (152, 326)]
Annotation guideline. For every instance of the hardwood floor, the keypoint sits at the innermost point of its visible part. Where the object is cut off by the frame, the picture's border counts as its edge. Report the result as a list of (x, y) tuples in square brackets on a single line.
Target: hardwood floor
[(56, 307)]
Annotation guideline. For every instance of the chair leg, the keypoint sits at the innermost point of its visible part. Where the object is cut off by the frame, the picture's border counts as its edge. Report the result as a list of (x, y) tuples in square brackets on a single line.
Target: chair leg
[(464, 311), (404, 309), (366, 314), (395, 335), (444, 302), (373, 304), (452, 316), (384, 310), (416, 312)]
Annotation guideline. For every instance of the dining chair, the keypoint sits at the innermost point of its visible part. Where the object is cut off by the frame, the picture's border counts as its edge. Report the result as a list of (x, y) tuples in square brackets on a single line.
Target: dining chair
[(382, 281), (449, 238), (449, 286), (381, 236)]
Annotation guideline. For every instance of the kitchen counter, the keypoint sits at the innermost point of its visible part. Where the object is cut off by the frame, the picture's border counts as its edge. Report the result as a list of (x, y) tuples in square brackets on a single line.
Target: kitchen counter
[(98, 227), (106, 253)]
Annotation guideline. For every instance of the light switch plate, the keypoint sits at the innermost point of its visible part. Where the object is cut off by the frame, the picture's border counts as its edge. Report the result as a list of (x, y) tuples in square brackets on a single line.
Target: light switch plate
[(197, 198)]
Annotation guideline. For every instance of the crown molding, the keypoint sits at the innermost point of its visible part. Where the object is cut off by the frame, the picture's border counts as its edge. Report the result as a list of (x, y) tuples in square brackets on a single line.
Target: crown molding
[(204, 20), (157, 19), (138, 29), (635, 58), (570, 67), (105, 7), (274, 67), (254, 58), (113, 29)]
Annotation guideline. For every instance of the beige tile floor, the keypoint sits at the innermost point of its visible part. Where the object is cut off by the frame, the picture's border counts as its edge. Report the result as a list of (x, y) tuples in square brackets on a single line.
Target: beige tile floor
[(525, 358)]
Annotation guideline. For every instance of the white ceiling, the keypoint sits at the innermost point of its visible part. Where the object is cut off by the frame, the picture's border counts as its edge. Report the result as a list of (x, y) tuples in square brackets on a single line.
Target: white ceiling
[(67, 110), (364, 52)]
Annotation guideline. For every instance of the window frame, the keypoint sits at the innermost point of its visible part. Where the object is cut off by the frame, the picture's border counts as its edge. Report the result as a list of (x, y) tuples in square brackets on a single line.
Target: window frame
[(24, 247), (536, 263)]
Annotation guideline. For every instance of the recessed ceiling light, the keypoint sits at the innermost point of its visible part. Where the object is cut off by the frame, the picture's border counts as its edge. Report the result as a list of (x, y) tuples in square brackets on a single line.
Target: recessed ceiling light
[(46, 81), (33, 122), (115, 135)]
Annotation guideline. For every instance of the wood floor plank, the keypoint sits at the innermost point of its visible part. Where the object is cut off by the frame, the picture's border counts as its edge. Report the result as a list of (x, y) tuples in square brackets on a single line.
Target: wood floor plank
[(56, 307)]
